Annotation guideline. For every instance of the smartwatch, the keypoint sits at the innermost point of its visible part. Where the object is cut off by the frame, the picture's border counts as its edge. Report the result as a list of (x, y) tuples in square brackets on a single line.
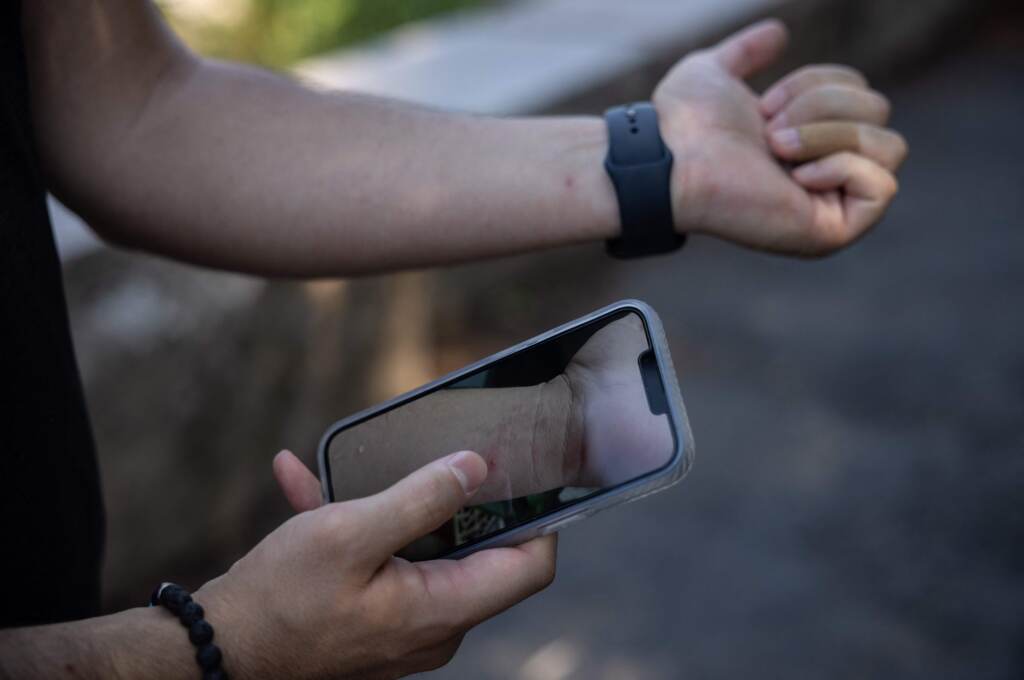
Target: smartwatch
[(640, 167)]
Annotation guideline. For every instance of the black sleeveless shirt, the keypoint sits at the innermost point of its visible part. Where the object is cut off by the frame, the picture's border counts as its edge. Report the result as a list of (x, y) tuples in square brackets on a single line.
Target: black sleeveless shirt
[(51, 513)]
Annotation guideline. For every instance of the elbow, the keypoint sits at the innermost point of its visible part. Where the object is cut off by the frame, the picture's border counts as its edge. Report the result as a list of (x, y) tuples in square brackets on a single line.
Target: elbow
[(94, 161)]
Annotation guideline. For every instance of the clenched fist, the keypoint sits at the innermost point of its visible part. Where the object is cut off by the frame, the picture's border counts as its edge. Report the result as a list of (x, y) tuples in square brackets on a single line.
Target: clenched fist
[(805, 168)]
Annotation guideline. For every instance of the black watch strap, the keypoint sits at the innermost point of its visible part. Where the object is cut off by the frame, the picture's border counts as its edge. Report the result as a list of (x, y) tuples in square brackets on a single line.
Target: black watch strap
[(640, 167)]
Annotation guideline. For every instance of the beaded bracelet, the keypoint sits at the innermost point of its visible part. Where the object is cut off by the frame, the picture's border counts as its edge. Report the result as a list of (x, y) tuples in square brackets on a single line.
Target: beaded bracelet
[(179, 602)]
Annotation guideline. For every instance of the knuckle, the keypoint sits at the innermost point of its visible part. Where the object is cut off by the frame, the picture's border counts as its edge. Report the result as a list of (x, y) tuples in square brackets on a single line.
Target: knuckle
[(902, 149), (820, 74), (342, 525), (696, 57), (832, 90), (545, 574), (804, 77), (336, 521), (863, 135), (434, 502), (548, 575), (432, 660), (698, 54), (890, 185), (845, 159), (827, 241), (883, 105), (808, 71), (745, 52), (849, 73), (443, 655)]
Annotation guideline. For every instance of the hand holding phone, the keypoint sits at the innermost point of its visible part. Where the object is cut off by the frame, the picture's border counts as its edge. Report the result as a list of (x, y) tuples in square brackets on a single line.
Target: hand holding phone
[(322, 596)]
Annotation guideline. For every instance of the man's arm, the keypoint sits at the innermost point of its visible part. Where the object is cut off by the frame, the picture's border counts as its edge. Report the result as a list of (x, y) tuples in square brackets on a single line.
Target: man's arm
[(238, 168), (142, 643), (321, 596), (233, 167)]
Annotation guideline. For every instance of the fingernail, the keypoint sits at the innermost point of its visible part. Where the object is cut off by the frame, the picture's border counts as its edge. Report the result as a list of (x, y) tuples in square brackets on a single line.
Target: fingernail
[(469, 468), (787, 139), (773, 100)]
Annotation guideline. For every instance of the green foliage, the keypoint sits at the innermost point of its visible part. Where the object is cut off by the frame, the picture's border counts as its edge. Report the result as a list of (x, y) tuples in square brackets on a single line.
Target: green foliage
[(276, 33)]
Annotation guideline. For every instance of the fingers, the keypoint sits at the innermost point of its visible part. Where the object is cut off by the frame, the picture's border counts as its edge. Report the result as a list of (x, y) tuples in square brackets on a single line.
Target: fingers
[(752, 49), (300, 486), (833, 101), (467, 591), (867, 188), (419, 503), (808, 78), (814, 140)]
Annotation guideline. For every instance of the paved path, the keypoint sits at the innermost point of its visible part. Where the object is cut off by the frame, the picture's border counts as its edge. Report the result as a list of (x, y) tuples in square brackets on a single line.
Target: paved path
[(855, 508)]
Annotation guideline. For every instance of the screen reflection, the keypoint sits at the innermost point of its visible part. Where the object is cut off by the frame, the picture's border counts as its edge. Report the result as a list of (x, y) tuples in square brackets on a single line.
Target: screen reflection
[(556, 423)]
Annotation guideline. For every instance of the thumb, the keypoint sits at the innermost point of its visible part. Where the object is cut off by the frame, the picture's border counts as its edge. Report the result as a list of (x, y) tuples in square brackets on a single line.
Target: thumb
[(423, 501), (300, 486), (751, 49)]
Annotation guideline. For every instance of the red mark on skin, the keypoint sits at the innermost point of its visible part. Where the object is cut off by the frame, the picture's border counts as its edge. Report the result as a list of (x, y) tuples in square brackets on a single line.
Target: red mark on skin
[(491, 458)]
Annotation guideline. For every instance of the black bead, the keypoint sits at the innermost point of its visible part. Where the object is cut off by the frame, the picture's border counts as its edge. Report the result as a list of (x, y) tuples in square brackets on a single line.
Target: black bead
[(217, 674), (208, 657), (200, 633), (190, 613), (175, 597)]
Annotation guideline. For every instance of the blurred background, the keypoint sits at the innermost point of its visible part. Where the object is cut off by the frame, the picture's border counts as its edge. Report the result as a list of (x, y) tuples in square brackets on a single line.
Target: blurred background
[(855, 509)]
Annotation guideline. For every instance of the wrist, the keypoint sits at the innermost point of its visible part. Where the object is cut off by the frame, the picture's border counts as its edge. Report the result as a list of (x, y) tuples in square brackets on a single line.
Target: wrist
[(565, 429), (231, 633), (584, 180), (685, 183), (146, 642)]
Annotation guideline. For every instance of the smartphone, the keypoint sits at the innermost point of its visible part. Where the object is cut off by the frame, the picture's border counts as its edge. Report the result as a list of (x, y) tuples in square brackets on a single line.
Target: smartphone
[(583, 417)]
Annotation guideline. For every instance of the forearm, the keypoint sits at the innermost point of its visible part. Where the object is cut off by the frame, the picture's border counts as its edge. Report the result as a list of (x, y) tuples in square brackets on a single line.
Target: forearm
[(137, 643), (236, 168), (254, 173)]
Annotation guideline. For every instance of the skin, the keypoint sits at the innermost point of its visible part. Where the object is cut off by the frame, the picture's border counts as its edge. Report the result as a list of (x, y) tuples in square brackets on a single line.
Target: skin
[(230, 167)]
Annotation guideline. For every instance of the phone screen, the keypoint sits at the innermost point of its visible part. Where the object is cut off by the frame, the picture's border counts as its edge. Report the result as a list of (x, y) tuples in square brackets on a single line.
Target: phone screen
[(558, 422)]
